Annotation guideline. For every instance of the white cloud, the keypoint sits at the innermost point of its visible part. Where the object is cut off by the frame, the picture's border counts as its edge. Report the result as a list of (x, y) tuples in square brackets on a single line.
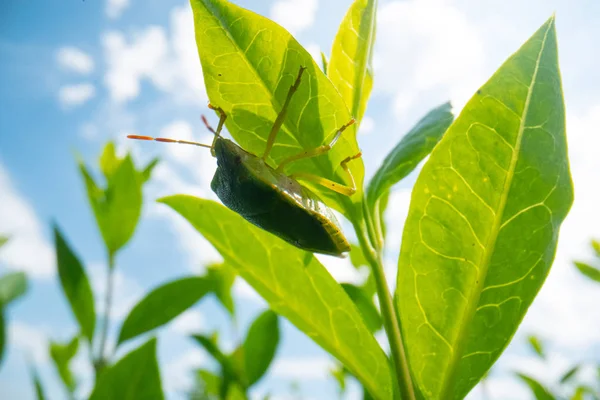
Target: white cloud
[(242, 290), (74, 59), (189, 322), (27, 250), (367, 125), (178, 373), (31, 340), (342, 270), (170, 64), (302, 368), (114, 8), (445, 52), (76, 95), (294, 15)]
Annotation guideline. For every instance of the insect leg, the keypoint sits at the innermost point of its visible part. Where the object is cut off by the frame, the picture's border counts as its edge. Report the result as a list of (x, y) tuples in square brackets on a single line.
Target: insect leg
[(281, 116), (217, 133), (347, 190), (316, 151)]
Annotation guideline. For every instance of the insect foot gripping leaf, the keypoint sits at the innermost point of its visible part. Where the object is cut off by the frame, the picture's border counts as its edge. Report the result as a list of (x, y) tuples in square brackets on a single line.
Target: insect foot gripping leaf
[(483, 223)]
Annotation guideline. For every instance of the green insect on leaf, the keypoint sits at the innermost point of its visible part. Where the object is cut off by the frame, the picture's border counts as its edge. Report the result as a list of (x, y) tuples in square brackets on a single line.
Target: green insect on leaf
[(483, 224)]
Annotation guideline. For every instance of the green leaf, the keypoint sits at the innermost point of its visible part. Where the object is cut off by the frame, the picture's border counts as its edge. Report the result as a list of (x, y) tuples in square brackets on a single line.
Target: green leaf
[(37, 383), (569, 374), (539, 391), (588, 270), (339, 374), (249, 63), (222, 277), (207, 384), (117, 208), (146, 172), (483, 223), (581, 391), (109, 162), (62, 354), (12, 286), (324, 62), (75, 286), (596, 247), (163, 304), (231, 366), (536, 345), (295, 285), (135, 376), (260, 345), (365, 306), (409, 152), (350, 67), (210, 345), (3, 240), (357, 257)]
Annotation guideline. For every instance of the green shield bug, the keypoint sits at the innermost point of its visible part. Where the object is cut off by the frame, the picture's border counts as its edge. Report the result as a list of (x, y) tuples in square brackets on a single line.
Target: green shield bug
[(270, 199)]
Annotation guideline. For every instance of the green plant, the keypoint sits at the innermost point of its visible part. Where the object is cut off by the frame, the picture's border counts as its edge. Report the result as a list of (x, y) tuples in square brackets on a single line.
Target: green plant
[(483, 222)]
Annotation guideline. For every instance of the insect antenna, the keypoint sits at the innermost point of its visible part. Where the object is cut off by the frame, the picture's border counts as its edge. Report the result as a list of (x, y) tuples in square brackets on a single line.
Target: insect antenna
[(168, 140)]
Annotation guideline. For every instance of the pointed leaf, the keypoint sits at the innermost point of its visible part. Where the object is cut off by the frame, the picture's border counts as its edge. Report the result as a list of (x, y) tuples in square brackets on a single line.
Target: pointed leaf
[(117, 208), (222, 277), (410, 151), (249, 64), (206, 386), (570, 374), (147, 171), (365, 307), (483, 223), (324, 62), (357, 257), (3, 240), (536, 345), (581, 391), (109, 162), (260, 345), (596, 247), (62, 354), (539, 391), (37, 383), (162, 305), (12, 286), (588, 270), (209, 344), (295, 285), (350, 67), (135, 376), (75, 286)]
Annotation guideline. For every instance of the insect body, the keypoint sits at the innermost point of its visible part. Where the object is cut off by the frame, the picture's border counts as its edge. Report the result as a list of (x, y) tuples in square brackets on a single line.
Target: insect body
[(269, 198)]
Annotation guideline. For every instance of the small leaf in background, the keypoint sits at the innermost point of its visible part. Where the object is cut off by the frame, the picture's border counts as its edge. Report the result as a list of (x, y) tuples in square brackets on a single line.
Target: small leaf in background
[(260, 345), (350, 66), (146, 172), (109, 162), (295, 285), (162, 305), (324, 62), (569, 374), (210, 345), (588, 270), (118, 207), (207, 385), (222, 277), (3, 240), (37, 383), (135, 376), (409, 152), (75, 286), (539, 391), (339, 374), (596, 247), (357, 257), (62, 354), (581, 391), (365, 306), (536, 345), (12, 286), (249, 63), (483, 223)]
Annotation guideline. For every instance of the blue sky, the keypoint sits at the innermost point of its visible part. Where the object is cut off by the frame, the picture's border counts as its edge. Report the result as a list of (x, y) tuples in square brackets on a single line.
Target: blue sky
[(76, 74)]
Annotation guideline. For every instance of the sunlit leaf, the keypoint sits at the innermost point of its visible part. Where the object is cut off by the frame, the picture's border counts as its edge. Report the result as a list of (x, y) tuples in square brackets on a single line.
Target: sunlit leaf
[(350, 67), (569, 374), (295, 285), (324, 63), (146, 172), (12, 286), (249, 63), (539, 391), (62, 354), (109, 162), (409, 152), (222, 277), (162, 305), (536, 345), (135, 376), (483, 223), (3, 240), (581, 391), (357, 257), (75, 285), (207, 385), (365, 306), (118, 207), (260, 345), (588, 270)]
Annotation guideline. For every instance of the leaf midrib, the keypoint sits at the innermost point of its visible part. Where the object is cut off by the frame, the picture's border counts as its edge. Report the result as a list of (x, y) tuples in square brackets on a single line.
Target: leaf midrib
[(359, 78), (448, 383)]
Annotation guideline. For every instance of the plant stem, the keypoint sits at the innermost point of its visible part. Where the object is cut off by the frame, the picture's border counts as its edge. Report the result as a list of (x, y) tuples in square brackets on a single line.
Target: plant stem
[(388, 311), (107, 306)]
